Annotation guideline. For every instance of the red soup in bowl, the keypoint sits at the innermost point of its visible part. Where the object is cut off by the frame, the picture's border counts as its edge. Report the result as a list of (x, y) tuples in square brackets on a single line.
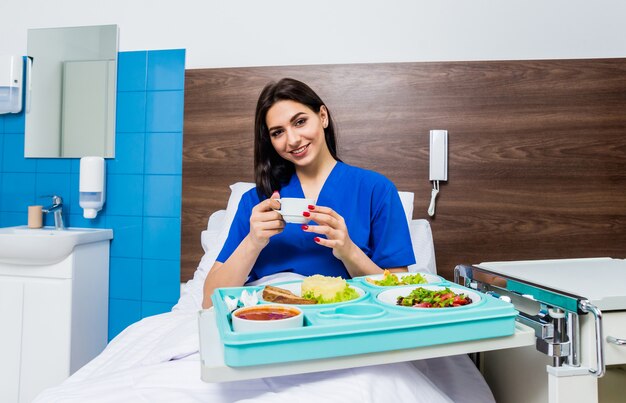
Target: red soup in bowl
[(267, 313), (266, 317)]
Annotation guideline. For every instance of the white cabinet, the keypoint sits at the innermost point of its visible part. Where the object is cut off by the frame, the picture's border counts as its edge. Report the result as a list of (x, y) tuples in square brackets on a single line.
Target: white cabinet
[(54, 319)]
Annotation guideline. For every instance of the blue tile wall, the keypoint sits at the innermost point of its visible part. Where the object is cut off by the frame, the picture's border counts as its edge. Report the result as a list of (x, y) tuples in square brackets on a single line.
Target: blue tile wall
[(144, 185)]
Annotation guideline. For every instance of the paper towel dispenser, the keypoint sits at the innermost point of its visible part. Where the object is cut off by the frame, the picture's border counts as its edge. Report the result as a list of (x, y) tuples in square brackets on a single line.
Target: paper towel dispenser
[(11, 84), (91, 185)]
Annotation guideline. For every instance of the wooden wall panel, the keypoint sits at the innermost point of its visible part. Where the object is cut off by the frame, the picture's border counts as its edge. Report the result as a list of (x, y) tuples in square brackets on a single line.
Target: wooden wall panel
[(537, 149)]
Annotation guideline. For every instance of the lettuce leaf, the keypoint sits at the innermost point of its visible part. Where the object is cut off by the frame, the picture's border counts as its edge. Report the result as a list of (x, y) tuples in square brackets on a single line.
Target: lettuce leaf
[(390, 279), (413, 279), (347, 294)]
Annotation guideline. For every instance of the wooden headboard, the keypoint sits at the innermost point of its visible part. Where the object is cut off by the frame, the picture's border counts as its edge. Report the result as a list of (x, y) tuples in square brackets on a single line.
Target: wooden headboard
[(537, 149)]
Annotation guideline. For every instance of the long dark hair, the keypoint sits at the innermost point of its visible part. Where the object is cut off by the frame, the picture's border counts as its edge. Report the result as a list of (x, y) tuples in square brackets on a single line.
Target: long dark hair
[(271, 171)]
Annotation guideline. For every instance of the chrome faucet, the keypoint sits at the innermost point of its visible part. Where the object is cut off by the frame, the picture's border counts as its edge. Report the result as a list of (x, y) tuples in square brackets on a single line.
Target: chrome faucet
[(57, 209)]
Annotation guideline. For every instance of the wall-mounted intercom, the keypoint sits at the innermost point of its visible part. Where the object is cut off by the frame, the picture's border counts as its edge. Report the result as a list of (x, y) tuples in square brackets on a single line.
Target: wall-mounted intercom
[(438, 164)]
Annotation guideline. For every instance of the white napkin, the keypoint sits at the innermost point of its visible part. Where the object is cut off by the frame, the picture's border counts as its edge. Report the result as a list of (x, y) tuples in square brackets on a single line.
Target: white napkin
[(249, 299), (231, 303)]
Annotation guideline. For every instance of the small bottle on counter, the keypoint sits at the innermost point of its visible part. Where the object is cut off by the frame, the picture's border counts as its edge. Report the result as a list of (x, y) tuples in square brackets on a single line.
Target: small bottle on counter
[(35, 216)]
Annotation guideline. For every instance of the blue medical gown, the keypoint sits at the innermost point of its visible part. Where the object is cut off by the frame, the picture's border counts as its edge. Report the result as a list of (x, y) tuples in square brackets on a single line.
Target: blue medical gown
[(370, 206)]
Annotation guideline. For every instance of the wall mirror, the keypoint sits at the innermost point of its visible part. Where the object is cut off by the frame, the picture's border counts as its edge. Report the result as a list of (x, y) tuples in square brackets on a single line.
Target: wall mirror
[(70, 102)]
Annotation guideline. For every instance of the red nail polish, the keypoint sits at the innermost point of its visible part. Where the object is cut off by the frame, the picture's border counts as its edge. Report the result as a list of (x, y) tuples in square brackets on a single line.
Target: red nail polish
[(305, 227), (311, 207), (316, 239), (306, 214)]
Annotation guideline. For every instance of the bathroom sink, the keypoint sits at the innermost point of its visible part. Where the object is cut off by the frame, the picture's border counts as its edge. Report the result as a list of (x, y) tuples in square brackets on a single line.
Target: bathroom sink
[(45, 246)]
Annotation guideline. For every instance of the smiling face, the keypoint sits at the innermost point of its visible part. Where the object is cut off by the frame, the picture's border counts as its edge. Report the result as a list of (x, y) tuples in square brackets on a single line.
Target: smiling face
[(293, 133), (297, 133)]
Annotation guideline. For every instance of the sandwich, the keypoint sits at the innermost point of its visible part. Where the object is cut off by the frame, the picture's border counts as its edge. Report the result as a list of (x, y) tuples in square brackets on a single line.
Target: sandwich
[(282, 296)]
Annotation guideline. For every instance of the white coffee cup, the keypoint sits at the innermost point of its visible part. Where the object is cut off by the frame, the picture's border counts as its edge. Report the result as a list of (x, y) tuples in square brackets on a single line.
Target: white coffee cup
[(291, 208)]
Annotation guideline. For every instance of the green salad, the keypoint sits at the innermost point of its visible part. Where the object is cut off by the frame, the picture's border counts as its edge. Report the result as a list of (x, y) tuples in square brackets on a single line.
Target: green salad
[(389, 279), (425, 298)]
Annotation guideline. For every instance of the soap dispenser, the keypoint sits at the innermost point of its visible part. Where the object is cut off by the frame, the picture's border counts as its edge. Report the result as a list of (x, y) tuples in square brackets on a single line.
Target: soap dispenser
[(91, 185), (11, 80)]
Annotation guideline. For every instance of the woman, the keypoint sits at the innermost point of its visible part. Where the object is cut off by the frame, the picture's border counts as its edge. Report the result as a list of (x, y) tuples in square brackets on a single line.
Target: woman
[(357, 225)]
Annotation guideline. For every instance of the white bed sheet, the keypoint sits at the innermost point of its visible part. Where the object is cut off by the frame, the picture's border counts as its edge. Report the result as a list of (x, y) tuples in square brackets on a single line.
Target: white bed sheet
[(157, 359)]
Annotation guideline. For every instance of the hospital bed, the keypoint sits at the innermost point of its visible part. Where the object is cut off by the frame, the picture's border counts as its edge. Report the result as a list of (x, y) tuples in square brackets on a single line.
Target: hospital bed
[(157, 358), (514, 125)]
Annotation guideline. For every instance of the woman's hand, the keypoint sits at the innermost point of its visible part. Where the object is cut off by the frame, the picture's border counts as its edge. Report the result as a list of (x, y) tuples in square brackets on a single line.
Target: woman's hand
[(333, 226), (265, 222)]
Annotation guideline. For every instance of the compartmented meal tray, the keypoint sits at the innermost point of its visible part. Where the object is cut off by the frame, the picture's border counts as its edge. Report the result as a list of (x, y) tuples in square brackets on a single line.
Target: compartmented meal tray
[(364, 325)]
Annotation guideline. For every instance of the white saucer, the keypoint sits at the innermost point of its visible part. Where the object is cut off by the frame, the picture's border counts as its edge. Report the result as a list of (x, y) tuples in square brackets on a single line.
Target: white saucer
[(296, 219)]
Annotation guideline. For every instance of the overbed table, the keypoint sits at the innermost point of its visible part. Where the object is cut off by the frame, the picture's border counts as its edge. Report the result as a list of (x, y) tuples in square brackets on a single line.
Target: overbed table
[(215, 370)]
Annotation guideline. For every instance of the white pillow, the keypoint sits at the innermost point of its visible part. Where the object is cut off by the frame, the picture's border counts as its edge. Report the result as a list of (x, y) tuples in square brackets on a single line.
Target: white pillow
[(423, 247), (211, 233), (212, 239), (219, 222), (407, 204), (236, 191)]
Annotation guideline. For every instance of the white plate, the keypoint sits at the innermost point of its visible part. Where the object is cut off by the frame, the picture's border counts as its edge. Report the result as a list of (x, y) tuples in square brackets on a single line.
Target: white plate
[(296, 288), (430, 278), (391, 296)]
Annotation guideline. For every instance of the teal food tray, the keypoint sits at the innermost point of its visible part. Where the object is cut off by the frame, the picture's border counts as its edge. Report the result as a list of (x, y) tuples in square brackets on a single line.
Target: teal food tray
[(361, 326)]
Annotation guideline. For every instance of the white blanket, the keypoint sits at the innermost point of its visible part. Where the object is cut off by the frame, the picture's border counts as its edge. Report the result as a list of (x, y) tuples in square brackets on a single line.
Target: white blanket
[(156, 360)]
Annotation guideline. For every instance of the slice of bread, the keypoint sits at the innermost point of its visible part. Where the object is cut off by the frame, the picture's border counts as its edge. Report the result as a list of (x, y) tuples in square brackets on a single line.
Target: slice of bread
[(282, 296)]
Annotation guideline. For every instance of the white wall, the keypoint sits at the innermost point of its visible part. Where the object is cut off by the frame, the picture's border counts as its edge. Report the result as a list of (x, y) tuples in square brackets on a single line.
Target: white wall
[(228, 33)]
